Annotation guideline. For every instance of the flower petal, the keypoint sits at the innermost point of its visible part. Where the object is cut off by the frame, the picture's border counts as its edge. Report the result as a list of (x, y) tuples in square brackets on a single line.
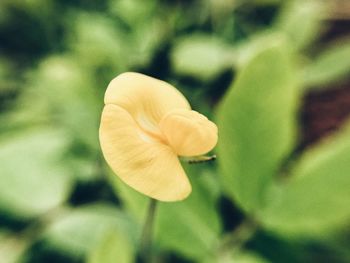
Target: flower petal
[(140, 160), (188, 132), (147, 99)]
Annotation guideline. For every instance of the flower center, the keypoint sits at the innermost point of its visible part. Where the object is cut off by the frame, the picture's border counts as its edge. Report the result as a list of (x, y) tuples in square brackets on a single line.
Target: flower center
[(149, 131)]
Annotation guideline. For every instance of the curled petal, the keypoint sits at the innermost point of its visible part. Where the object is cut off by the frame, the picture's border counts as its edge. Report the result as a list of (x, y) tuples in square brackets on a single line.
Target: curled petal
[(140, 159), (188, 132), (147, 99)]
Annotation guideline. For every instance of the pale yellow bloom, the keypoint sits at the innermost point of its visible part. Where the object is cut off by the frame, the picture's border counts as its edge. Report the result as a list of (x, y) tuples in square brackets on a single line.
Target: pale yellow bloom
[(145, 125)]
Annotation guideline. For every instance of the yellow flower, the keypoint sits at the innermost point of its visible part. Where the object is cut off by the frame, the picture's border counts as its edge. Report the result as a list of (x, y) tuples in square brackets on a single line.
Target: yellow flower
[(145, 125)]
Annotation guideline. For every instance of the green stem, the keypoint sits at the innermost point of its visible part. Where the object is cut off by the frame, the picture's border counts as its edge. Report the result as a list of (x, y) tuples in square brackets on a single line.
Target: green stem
[(146, 238)]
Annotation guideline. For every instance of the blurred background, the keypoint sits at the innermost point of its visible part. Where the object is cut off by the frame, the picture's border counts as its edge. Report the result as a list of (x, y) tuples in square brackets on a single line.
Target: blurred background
[(58, 200)]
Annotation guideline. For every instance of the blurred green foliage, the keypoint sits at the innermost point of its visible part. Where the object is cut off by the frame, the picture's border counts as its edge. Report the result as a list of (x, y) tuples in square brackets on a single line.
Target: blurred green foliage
[(265, 96), (246, 64)]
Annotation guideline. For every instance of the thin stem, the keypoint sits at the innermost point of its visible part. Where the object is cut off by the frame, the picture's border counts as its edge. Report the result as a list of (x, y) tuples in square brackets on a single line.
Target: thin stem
[(146, 238)]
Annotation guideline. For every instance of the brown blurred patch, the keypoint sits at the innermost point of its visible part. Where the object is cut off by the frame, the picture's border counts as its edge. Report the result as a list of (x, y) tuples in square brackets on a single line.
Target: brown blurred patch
[(324, 112)]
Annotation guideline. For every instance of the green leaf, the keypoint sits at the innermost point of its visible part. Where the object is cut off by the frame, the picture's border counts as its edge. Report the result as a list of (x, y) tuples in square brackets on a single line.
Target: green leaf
[(145, 41), (246, 50), (133, 202), (301, 21), (83, 231), (201, 56), (99, 42), (257, 126), (191, 227), (330, 66), (113, 247), (33, 180), (67, 96), (316, 198), (133, 12)]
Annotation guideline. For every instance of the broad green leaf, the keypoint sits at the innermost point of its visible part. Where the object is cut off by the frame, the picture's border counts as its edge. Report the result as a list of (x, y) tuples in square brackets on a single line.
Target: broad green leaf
[(201, 56), (191, 227), (103, 42), (301, 21), (331, 65), (33, 180), (246, 50), (99, 42), (64, 92), (145, 40), (82, 231), (113, 247), (257, 124), (133, 202), (316, 199), (133, 12)]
